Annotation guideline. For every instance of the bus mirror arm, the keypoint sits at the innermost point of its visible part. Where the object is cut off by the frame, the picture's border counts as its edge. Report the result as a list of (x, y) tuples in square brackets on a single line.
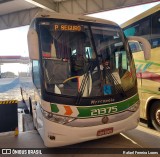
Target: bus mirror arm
[(145, 43), (33, 45)]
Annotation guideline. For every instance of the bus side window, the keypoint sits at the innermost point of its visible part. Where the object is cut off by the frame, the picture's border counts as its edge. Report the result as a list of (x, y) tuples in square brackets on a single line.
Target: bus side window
[(155, 36), (46, 41), (36, 73), (135, 46)]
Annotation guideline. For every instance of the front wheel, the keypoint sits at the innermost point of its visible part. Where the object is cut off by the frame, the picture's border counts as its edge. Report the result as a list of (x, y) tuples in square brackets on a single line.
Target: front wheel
[(30, 107), (155, 115)]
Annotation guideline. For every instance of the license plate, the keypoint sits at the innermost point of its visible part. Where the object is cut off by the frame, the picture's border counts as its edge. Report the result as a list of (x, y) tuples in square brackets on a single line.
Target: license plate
[(104, 131)]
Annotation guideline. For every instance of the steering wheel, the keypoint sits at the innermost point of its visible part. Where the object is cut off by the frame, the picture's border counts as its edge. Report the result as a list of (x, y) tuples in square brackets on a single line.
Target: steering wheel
[(70, 78), (79, 81)]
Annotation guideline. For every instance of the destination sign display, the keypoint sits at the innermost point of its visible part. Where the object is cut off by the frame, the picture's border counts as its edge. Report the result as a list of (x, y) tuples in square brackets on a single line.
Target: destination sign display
[(67, 27)]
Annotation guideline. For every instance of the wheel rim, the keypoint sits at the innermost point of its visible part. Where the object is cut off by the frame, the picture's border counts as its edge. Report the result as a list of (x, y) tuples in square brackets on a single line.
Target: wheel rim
[(158, 116)]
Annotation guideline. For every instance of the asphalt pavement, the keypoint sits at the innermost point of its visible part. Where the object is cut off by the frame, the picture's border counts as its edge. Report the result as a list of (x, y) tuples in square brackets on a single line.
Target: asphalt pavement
[(138, 138)]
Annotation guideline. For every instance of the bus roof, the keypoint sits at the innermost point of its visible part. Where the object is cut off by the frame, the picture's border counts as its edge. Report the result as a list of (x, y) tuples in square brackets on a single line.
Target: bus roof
[(47, 14), (141, 16)]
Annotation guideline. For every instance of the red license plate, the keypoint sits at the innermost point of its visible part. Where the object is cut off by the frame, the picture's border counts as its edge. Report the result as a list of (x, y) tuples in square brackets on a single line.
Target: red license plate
[(104, 131)]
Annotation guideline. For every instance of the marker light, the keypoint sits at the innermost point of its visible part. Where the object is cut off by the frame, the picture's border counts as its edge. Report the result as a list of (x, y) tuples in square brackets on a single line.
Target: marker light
[(134, 107)]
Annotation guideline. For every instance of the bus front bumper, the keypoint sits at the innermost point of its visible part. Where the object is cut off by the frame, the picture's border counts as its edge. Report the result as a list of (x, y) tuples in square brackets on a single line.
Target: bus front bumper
[(55, 135)]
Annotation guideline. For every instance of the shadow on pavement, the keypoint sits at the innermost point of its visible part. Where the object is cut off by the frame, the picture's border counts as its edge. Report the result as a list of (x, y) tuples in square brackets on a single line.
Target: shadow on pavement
[(6, 87)]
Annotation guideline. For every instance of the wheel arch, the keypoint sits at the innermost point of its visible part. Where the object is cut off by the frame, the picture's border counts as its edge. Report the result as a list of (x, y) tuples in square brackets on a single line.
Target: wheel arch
[(148, 109)]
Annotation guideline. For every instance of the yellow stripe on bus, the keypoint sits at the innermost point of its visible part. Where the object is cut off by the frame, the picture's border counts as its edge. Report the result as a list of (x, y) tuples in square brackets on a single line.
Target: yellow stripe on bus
[(8, 102)]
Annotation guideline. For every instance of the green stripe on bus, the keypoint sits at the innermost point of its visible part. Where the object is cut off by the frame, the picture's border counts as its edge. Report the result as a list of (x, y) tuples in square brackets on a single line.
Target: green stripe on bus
[(107, 109), (54, 108), (149, 91), (99, 110), (144, 61), (146, 66), (138, 67)]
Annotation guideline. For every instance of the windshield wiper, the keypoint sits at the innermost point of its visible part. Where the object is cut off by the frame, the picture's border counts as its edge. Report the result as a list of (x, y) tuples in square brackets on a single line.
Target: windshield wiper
[(82, 88), (89, 67), (84, 80), (115, 82)]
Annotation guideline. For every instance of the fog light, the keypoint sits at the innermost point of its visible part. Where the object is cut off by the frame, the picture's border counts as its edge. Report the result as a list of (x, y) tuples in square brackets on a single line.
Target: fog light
[(134, 107), (52, 137)]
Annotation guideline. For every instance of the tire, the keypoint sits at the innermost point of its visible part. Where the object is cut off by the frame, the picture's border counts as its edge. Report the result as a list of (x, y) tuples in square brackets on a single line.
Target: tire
[(31, 113), (155, 115), (26, 111), (30, 107)]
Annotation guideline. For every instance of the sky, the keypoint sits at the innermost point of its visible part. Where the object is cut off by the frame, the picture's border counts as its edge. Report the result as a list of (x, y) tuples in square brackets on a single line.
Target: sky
[(14, 41), (122, 15)]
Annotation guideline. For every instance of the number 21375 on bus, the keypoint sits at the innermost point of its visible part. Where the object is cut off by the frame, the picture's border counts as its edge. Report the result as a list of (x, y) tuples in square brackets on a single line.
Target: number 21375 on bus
[(104, 111)]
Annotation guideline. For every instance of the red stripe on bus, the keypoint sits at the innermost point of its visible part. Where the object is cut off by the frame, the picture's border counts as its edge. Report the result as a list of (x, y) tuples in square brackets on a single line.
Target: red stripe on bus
[(149, 76)]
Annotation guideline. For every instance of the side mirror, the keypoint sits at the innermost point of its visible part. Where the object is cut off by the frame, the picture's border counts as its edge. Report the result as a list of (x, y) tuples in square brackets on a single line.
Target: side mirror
[(33, 45), (145, 43)]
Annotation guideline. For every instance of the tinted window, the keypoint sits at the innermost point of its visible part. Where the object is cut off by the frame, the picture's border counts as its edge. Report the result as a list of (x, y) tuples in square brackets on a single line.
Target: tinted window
[(140, 28), (135, 46), (84, 59), (36, 74), (155, 42)]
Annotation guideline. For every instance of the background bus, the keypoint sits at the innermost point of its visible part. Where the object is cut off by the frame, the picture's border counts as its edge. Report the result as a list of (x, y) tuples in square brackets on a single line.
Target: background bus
[(147, 25), (84, 79)]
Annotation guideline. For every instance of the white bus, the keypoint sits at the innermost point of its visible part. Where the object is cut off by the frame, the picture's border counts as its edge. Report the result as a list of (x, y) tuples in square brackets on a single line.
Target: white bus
[(84, 79), (147, 25)]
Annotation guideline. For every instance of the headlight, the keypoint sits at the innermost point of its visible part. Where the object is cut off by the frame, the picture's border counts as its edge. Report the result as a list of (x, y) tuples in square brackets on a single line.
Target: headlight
[(57, 118), (134, 107)]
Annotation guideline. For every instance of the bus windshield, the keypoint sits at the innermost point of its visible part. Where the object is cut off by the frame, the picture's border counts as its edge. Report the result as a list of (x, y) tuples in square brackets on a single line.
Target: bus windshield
[(85, 59)]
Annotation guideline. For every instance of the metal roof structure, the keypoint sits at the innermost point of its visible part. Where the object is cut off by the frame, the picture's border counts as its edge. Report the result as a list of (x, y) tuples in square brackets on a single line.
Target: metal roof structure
[(15, 13), (14, 59), (142, 15)]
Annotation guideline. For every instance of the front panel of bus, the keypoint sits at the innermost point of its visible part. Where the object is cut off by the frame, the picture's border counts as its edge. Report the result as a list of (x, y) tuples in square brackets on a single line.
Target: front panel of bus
[(87, 74)]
